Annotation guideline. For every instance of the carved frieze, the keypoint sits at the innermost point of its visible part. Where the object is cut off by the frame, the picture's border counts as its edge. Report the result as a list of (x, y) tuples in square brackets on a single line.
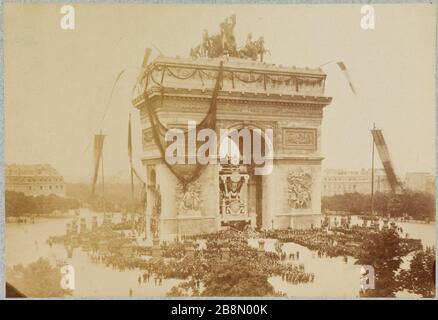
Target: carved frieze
[(300, 138)]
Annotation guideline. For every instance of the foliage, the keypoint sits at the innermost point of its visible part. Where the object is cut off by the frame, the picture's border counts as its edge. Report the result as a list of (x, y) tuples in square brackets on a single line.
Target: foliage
[(419, 205), (38, 279), (383, 251), (17, 204), (236, 278), (420, 277), (184, 289)]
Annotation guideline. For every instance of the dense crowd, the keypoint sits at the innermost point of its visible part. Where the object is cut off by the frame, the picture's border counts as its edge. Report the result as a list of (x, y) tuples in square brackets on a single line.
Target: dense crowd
[(175, 264), (107, 246), (295, 274), (336, 241), (326, 244)]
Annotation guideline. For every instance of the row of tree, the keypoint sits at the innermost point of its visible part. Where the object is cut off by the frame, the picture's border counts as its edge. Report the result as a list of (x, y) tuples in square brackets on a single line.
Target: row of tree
[(117, 197), (18, 204), (419, 205)]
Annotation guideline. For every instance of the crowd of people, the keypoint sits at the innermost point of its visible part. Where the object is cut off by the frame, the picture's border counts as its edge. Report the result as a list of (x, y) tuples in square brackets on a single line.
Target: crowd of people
[(208, 251), (338, 241), (326, 244), (107, 246), (295, 274), (146, 276)]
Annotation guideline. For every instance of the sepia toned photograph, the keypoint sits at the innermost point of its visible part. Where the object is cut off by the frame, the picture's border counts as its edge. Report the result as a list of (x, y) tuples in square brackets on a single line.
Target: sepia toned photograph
[(219, 150)]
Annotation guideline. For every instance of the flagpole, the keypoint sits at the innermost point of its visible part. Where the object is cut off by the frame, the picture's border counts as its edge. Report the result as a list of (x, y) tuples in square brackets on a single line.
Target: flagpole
[(130, 161), (328, 62), (372, 172), (132, 185), (103, 184)]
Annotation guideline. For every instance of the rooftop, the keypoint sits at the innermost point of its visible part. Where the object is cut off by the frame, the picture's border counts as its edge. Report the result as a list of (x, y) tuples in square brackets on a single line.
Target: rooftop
[(30, 170), (240, 76), (237, 64)]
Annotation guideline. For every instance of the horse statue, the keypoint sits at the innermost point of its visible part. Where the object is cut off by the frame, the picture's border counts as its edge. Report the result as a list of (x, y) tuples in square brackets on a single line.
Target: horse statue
[(224, 44), (253, 49)]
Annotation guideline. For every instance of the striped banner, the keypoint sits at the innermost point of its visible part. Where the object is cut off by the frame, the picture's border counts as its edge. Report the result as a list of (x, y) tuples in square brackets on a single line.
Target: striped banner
[(344, 70), (98, 148), (382, 149)]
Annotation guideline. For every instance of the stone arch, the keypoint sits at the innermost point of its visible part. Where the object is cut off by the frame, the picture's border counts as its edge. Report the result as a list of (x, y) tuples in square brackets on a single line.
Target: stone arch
[(252, 190), (238, 125)]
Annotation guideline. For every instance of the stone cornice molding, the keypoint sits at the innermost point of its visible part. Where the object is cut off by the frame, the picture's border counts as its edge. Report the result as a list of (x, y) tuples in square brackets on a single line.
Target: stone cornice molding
[(236, 65), (241, 97)]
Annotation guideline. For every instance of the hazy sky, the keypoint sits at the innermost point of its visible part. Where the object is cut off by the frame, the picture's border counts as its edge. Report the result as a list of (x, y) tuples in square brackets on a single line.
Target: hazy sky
[(57, 82)]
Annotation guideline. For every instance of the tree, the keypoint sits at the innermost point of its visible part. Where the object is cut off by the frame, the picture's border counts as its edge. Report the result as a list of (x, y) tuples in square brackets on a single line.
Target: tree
[(419, 205), (18, 204), (395, 205), (381, 200), (420, 277), (38, 279), (383, 251), (236, 278)]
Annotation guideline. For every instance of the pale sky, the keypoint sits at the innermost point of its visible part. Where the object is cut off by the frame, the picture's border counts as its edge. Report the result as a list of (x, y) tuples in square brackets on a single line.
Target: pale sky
[(57, 82)]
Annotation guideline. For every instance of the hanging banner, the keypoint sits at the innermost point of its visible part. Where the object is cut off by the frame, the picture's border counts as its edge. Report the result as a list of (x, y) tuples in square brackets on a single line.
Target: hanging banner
[(382, 149), (98, 148), (130, 142), (344, 70), (186, 173)]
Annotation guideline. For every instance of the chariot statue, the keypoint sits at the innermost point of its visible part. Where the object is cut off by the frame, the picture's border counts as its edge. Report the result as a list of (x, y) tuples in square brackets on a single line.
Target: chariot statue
[(224, 44)]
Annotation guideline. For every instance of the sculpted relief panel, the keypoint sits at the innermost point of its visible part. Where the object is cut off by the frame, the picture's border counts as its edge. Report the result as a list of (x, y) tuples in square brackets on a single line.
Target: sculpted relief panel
[(189, 199), (299, 189)]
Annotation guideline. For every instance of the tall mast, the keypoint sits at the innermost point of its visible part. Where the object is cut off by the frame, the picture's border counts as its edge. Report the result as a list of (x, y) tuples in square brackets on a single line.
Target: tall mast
[(372, 172), (130, 161), (132, 170), (132, 186), (103, 185)]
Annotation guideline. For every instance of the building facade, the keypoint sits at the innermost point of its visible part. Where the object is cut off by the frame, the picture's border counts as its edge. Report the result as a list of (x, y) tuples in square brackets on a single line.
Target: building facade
[(337, 181), (420, 181), (255, 96), (34, 180)]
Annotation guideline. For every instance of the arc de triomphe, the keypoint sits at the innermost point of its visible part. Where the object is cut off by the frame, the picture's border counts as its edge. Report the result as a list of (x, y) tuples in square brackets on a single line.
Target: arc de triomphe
[(253, 95)]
